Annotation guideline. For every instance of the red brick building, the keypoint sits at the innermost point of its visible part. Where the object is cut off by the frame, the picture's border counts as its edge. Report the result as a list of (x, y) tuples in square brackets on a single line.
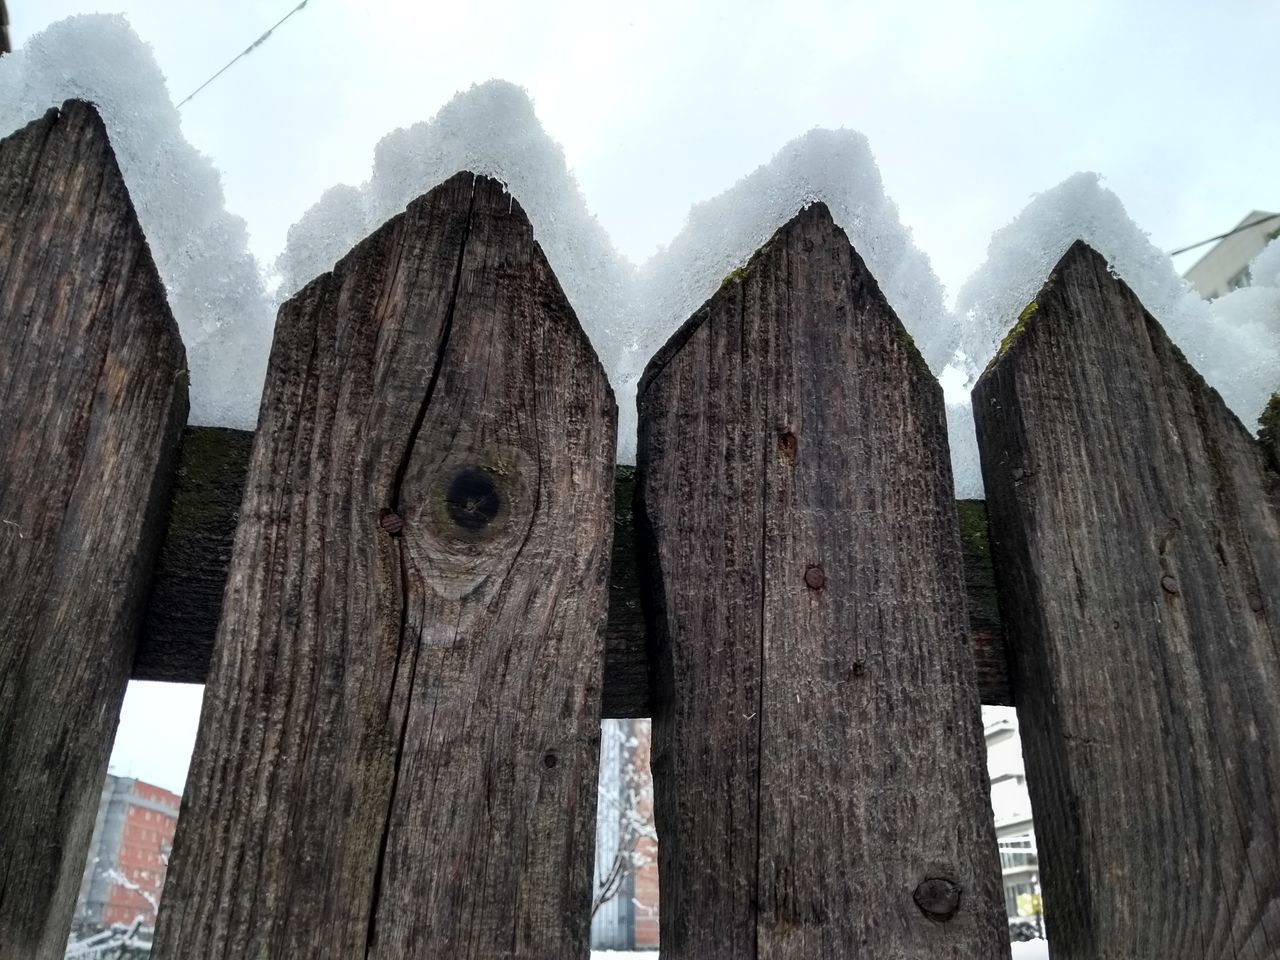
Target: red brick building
[(128, 856), (644, 883), (626, 873)]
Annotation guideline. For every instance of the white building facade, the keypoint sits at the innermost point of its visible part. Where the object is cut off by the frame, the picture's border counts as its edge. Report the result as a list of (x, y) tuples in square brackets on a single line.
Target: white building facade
[(1011, 806), (1226, 266)]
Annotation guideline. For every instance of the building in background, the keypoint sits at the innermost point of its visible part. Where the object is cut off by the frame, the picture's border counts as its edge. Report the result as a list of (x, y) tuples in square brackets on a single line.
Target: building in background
[(625, 896), (626, 916), (128, 855), (644, 880), (1011, 807), (1226, 266)]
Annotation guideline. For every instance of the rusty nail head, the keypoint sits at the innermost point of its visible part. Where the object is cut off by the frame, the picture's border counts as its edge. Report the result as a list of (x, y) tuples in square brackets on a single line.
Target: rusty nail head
[(938, 898), (1169, 584), (814, 578), (391, 522)]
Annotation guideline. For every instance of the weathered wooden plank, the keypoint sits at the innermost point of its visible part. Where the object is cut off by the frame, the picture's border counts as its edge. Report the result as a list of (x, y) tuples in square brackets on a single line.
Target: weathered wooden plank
[(820, 778), (186, 601), (93, 395), (1136, 535), (397, 756)]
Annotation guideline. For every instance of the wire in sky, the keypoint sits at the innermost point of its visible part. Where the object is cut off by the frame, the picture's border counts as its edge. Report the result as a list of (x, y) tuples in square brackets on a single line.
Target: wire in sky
[(1223, 236), (243, 53)]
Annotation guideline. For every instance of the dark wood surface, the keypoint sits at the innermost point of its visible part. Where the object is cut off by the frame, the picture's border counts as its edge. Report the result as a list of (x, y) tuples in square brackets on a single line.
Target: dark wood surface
[(1269, 430), (93, 395), (820, 782), (1136, 536), (186, 600), (397, 756)]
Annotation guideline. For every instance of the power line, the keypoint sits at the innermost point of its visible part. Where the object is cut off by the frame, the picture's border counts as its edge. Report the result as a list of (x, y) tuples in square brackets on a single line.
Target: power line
[(1223, 236), (243, 53)]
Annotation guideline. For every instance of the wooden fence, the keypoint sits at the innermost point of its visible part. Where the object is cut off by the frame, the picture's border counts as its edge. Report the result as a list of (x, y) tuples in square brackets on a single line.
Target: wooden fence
[(415, 589)]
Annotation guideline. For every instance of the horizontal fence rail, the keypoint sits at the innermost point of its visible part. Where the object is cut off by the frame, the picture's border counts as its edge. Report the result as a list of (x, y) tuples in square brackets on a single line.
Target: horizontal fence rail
[(186, 595)]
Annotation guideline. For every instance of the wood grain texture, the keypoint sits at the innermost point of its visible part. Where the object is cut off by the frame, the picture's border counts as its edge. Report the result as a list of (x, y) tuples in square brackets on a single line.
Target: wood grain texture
[(820, 781), (1136, 537), (397, 755), (186, 600), (986, 633), (93, 395), (626, 655)]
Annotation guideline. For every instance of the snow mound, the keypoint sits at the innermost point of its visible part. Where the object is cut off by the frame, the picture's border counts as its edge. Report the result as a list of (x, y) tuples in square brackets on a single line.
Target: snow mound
[(720, 234), (1022, 254), (1265, 269), (490, 129), (217, 293), (832, 166), (214, 285), (1232, 341)]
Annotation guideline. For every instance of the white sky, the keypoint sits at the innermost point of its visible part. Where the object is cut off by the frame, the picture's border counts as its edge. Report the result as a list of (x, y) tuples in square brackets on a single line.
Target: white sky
[(969, 109)]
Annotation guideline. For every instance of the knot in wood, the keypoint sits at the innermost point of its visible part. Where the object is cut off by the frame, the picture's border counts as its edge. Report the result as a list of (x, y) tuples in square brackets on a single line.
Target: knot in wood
[(814, 578), (1169, 584), (1255, 603), (787, 445), (472, 500), (938, 898)]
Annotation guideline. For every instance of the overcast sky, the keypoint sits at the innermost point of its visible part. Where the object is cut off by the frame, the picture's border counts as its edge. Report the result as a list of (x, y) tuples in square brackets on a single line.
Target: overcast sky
[(969, 108)]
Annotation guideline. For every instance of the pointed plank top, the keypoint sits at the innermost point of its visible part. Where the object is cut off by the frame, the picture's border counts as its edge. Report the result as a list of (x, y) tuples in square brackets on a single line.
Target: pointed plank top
[(1137, 550), (810, 226)]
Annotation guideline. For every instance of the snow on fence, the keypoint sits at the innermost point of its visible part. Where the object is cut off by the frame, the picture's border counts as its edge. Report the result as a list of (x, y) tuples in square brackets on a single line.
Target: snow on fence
[(414, 590)]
